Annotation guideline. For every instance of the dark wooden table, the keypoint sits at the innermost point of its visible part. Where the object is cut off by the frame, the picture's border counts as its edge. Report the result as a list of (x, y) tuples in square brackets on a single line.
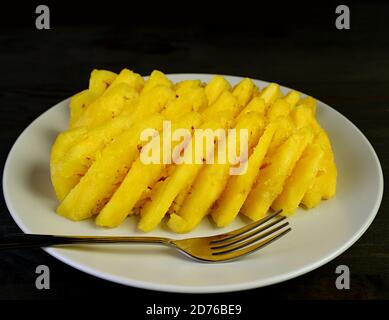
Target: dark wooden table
[(347, 69)]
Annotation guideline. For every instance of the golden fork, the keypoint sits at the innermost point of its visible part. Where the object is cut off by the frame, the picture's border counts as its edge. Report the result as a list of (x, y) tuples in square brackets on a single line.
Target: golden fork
[(218, 248)]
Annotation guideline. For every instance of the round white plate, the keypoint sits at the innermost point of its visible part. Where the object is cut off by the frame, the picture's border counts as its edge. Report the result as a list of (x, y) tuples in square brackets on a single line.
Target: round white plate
[(317, 236)]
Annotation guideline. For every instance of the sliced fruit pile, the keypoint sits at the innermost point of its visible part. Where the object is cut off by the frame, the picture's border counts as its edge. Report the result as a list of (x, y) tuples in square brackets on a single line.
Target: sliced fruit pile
[(97, 169)]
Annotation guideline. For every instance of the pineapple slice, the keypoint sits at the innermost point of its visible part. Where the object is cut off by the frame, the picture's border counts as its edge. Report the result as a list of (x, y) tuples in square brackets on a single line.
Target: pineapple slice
[(152, 101), (270, 94), (207, 187), (186, 85), (238, 187), (193, 92), (304, 115), (243, 92), (300, 180), (134, 80), (215, 88), (108, 106), (256, 104), (292, 98), (280, 108), (324, 186), (139, 178), (212, 179), (284, 130), (272, 177), (59, 178), (310, 103), (67, 170), (154, 210), (75, 150), (226, 102), (177, 108), (106, 173), (78, 104), (179, 200), (100, 80), (196, 97), (157, 78)]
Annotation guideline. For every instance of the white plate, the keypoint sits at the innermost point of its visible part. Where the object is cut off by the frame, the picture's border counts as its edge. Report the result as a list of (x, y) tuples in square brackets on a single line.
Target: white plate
[(317, 236)]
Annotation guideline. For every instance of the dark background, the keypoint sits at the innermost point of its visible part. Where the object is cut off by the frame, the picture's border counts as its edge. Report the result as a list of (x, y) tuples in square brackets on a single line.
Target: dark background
[(295, 45)]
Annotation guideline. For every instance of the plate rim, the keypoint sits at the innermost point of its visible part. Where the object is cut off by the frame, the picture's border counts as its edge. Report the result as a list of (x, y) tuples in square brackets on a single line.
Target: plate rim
[(212, 288)]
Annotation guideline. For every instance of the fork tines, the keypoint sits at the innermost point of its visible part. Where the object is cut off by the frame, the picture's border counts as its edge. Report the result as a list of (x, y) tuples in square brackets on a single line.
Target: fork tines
[(247, 239)]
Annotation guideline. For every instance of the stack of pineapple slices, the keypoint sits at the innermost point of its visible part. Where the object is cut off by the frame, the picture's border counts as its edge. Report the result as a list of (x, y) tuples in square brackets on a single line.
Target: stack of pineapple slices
[(96, 167)]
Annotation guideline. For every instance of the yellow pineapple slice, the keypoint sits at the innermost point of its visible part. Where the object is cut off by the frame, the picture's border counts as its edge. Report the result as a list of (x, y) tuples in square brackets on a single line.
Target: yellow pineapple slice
[(238, 187), (270, 94), (215, 88), (108, 106), (139, 178), (100, 80), (103, 177), (154, 210), (134, 80), (157, 78), (78, 104), (272, 177), (243, 92), (256, 104), (292, 98), (186, 85), (301, 179), (212, 179), (324, 186), (226, 102)]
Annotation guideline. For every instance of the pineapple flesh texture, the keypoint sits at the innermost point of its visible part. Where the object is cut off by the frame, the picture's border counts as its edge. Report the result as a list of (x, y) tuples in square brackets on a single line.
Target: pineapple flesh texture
[(300, 180), (106, 173), (273, 176)]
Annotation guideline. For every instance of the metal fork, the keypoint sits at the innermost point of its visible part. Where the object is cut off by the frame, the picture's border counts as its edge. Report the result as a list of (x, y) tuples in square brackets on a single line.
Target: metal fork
[(218, 248)]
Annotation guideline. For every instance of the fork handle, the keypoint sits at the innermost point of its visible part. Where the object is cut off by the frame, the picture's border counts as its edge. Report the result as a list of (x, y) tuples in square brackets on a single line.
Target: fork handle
[(45, 240)]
